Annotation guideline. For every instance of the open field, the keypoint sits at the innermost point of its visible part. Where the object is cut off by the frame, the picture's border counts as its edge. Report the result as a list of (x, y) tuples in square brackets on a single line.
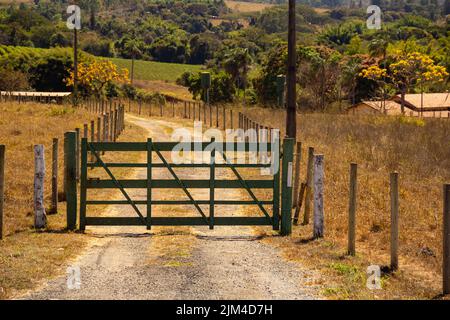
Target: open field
[(151, 70), (420, 151), (28, 256), (243, 6), (166, 88)]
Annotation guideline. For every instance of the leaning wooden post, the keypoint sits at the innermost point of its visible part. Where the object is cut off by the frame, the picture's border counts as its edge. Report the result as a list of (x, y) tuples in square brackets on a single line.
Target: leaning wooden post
[(353, 190), (446, 242), (2, 186), (70, 141), (298, 158), (286, 187), (394, 220), (309, 185), (55, 145), (40, 218), (318, 197)]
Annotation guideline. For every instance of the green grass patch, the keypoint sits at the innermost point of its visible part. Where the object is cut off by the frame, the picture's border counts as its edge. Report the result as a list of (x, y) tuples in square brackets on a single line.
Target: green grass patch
[(151, 70)]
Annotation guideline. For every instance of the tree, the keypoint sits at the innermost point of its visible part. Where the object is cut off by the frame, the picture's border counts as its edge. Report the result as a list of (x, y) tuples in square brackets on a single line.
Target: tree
[(407, 71), (236, 64), (132, 49), (94, 76), (414, 68), (12, 80)]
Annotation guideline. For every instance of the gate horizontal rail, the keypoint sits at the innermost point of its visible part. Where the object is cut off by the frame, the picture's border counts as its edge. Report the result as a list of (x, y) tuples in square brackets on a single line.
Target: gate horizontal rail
[(169, 146), (179, 221), (149, 184)]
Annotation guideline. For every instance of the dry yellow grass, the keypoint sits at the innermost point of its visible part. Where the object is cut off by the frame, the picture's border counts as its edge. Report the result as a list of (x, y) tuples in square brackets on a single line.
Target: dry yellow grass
[(28, 256), (21, 127), (243, 6), (419, 150)]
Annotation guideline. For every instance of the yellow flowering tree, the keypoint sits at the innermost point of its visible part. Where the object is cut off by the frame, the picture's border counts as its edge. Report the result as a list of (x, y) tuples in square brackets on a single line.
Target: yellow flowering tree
[(408, 70), (95, 75)]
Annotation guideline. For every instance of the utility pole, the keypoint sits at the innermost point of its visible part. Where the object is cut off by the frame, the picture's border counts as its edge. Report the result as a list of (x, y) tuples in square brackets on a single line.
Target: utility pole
[(75, 67), (74, 23), (291, 112)]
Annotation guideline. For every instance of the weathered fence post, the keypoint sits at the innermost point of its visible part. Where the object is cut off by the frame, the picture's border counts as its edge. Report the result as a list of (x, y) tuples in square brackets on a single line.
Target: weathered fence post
[(224, 118), (55, 146), (77, 153), (446, 241), (70, 174), (297, 178), (353, 190), (318, 197), (394, 220), (212, 178), (286, 187), (217, 116), (231, 119), (40, 219), (2, 186), (309, 185)]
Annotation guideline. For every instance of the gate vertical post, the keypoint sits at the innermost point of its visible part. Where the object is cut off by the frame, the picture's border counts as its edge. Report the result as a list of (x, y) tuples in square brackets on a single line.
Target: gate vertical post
[(83, 180), (149, 183), (70, 139), (286, 185), (212, 183), (276, 181)]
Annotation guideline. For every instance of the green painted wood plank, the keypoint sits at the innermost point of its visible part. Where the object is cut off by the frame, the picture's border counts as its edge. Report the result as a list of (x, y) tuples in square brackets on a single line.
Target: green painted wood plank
[(184, 165), (169, 146), (83, 179), (171, 184), (149, 185), (179, 221), (176, 202)]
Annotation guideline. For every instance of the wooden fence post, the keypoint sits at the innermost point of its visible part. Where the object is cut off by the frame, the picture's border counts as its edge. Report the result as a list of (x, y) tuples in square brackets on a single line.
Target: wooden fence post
[(309, 185), (2, 186), (217, 116), (286, 187), (353, 190), (224, 118), (297, 178), (70, 174), (105, 123), (40, 218), (77, 153), (446, 241), (318, 197), (55, 146), (231, 119), (394, 220)]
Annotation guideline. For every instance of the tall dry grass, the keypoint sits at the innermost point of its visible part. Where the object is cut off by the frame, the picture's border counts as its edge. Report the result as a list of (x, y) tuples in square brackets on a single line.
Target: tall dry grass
[(418, 149), (21, 127)]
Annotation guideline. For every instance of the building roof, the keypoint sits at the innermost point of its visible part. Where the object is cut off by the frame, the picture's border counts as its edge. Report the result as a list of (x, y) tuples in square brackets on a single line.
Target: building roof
[(390, 107), (428, 101), (35, 94)]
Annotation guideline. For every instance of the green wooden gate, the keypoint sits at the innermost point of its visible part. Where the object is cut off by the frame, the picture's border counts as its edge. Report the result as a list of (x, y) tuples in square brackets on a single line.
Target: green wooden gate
[(269, 217)]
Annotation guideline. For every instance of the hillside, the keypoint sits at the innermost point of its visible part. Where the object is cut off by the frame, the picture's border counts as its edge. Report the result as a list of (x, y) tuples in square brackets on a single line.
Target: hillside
[(151, 70)]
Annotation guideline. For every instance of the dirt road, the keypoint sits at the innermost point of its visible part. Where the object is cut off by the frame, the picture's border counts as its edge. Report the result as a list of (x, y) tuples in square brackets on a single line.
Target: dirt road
[(179, 263)]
